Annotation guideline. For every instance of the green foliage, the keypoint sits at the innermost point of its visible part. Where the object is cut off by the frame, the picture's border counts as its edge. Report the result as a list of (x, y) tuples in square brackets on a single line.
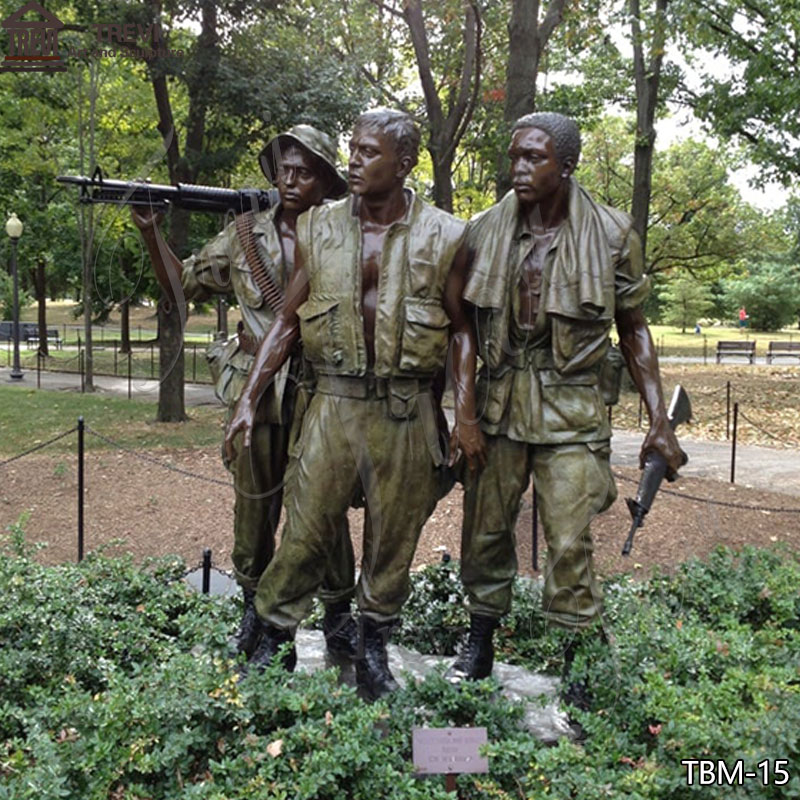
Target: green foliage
[(116, 683), (685, 300), (770, 293), (7, 296), (755, 97)]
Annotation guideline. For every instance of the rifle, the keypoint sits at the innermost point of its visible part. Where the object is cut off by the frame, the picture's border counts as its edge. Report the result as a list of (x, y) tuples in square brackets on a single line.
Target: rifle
[(655, 468), (159, 197)]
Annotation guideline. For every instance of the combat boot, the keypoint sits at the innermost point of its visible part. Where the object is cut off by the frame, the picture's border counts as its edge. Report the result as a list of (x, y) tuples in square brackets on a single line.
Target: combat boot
[(373, 677), (477, 658), (246, 638), (269, 642), (574, 693), (341, 632)]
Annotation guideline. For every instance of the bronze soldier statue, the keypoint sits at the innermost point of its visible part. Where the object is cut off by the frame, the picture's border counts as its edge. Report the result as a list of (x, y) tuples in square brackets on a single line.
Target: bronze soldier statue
[(552, 270), (302, 164), (376, 297)]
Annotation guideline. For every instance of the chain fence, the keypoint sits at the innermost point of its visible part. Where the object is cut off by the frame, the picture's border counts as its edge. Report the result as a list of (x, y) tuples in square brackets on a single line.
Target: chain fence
[(767, 433), (205, 566), (709, 501), (151, 460)]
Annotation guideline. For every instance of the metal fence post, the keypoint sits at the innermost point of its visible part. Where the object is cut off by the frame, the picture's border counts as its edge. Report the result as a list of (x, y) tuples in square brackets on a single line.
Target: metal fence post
[(535, 531), (206, 570), (80, 367), (194, 362), (152, 367), (80, 488), (38, 369), (705, 348), (728, 410), (115, 357), (129, 373), (733, 445)]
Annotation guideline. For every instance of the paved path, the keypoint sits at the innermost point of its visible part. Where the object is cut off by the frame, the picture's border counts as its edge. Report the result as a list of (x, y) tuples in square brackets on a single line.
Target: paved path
[(195, 394), (758, 467)]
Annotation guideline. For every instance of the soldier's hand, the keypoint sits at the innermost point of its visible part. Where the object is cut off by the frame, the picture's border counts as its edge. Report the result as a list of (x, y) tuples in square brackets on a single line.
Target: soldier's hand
[(468, 440), (662, 438), (241, 422), (145, 219)]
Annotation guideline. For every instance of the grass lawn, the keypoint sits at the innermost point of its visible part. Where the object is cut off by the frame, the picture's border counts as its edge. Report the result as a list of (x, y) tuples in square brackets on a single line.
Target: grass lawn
[(144, 361), (199, 327), (671, 342), (30, 416)]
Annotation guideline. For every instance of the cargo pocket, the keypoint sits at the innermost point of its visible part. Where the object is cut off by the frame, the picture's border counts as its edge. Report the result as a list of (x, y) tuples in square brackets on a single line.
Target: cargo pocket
[(570, 402), (425, 335), (319, 330), (606, 489), (229, 367)]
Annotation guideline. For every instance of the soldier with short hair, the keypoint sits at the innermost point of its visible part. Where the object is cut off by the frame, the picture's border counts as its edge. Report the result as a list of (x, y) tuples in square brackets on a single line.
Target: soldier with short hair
[(376, 298), (552, 271)]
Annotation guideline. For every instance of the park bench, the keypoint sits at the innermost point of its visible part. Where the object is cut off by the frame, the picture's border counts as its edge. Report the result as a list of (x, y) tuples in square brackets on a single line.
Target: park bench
[(52, 336), (737, 348), (26, 330), (783, 350)]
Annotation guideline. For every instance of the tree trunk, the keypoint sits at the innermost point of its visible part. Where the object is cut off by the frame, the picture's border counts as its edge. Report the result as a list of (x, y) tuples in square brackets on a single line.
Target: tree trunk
[(87, 230), (170, 363), (527, 40), (125, 327), (39, 287), (647, 77), (442, 179), (446, 130), (172, 315)]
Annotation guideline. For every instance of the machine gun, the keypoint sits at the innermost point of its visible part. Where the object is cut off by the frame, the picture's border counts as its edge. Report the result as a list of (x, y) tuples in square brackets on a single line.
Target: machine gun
[(158, 197), (655, 468)]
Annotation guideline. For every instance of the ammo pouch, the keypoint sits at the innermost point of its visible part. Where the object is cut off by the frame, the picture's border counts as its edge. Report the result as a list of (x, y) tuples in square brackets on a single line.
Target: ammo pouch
[(609, 377), (229, 366)]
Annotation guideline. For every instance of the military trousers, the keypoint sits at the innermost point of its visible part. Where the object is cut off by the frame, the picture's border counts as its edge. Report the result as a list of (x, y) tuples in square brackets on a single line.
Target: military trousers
[(573, 483), (349, 445), (258, 479)]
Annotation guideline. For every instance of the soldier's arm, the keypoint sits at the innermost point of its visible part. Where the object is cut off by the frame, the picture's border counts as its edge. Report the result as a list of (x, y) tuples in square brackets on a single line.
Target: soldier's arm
[(637, 347), (467, 435), (166, 264), (272, 354)]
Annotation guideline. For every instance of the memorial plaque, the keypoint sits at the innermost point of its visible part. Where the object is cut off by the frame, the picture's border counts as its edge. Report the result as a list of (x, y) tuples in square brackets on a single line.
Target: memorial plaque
[(446, 751)]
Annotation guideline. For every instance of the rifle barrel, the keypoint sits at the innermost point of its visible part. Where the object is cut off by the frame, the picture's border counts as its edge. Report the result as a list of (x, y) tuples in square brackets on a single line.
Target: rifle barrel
[(191, 197)]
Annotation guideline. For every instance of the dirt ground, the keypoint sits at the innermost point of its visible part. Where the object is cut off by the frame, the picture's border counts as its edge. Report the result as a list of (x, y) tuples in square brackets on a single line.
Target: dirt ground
[(140, 507)]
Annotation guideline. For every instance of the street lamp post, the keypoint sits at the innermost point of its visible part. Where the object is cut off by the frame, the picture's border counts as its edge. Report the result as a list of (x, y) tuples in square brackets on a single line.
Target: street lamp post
[(14, 231)]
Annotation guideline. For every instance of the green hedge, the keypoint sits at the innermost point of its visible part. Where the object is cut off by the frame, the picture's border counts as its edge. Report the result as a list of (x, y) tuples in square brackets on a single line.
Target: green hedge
[(115, 684)]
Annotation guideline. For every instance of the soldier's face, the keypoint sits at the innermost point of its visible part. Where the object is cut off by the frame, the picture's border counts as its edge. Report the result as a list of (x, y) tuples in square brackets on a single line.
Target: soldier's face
[(299, 181), (374, 167), (536, 173)]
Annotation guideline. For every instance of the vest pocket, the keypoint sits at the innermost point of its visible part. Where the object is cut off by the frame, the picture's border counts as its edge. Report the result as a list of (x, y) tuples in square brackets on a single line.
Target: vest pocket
[(425, 335), (570, 402), (319, 330)]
